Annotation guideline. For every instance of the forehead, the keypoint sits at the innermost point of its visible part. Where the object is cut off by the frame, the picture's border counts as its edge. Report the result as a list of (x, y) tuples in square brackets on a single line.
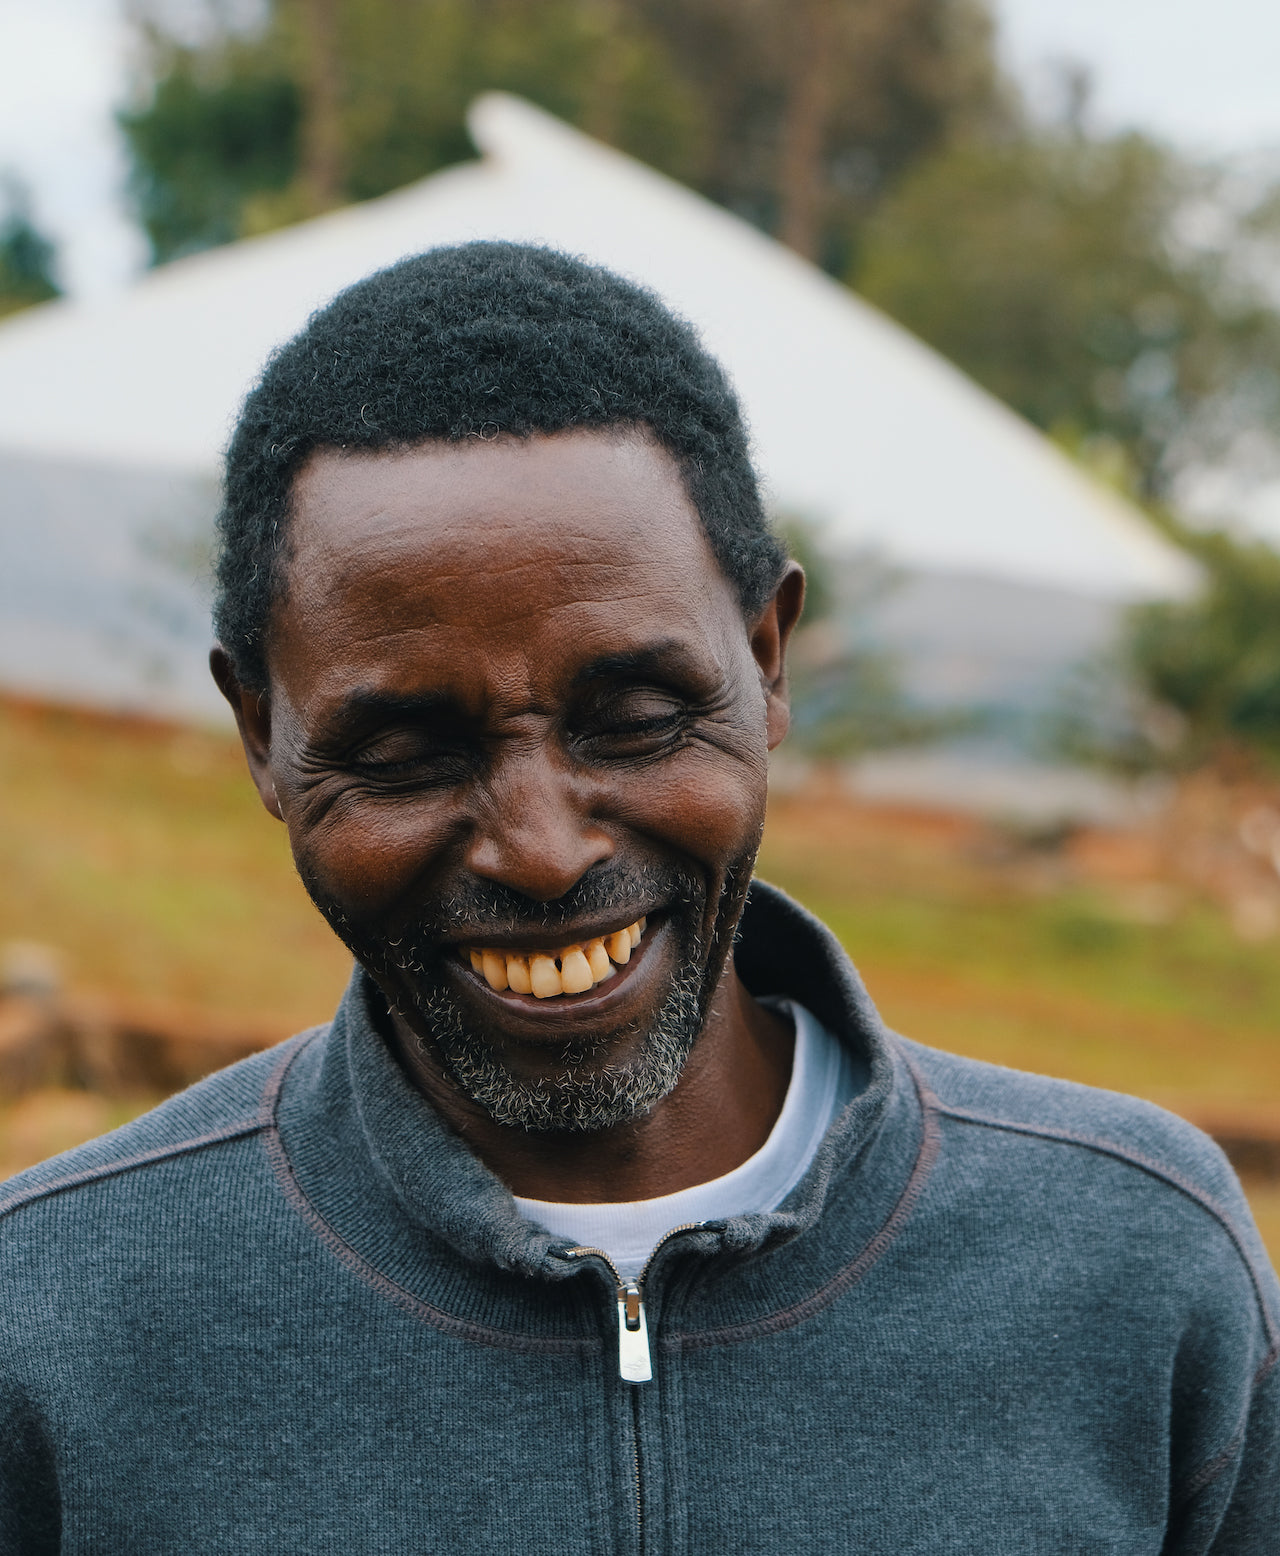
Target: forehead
[(549, 547)]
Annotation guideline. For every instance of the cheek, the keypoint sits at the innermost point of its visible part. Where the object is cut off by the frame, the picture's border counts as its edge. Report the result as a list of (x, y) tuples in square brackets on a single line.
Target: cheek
[(709, 809), (368, 856)]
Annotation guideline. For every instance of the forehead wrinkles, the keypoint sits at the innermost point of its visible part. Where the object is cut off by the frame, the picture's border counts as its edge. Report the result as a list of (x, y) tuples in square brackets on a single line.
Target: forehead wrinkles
[(527, 558), (551, 495), (372, 598), (500, 594), (530, 607), (554, 559)]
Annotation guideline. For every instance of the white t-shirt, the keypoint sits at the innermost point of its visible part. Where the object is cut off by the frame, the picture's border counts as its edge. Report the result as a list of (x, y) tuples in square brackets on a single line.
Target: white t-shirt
[(824, 1077)]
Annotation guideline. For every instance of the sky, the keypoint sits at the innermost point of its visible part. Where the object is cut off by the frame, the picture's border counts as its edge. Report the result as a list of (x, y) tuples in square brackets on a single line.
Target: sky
[(63, 67), (1202, 73)]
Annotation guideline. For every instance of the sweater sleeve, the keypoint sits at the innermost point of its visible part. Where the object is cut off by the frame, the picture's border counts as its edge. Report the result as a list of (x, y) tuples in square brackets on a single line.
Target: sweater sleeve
[(30, 1505), (1251, 1519), (1235, 1510), (1226, 1479)]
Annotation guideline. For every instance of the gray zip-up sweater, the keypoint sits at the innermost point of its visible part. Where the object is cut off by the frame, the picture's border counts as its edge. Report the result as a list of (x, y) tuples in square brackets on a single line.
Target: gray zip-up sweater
[(289, 1311)]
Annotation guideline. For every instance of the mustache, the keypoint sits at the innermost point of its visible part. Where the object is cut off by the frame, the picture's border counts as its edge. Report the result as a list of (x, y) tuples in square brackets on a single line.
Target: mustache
[(476, 906)]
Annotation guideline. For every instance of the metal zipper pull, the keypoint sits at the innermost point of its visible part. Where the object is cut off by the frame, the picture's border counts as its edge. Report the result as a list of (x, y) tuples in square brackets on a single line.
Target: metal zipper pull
[(634, 1362)]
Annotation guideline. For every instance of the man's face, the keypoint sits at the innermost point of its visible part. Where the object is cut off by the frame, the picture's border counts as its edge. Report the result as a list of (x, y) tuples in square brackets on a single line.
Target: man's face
[(516, 714)]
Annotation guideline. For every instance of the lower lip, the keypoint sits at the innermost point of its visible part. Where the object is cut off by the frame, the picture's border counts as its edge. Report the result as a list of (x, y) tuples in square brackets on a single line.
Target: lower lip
[(568, 1006)]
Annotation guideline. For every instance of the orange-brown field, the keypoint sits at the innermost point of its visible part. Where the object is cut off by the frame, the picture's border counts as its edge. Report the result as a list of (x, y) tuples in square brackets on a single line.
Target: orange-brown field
[(138, 852)]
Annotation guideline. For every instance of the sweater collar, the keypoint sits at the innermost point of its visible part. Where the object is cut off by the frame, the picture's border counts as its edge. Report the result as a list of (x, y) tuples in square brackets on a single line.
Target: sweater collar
[(446, 1191)]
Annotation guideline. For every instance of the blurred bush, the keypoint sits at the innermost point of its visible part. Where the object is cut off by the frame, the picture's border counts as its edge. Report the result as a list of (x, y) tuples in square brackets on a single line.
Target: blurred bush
[(1192, 683), (26, 255)]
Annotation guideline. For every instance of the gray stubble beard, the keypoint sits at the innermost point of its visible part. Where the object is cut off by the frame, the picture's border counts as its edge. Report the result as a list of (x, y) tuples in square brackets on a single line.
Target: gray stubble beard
[(579, 1099)]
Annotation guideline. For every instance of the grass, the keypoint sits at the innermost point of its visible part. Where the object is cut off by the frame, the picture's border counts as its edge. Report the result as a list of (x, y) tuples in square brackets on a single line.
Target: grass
[(989, 960), (142, 854)]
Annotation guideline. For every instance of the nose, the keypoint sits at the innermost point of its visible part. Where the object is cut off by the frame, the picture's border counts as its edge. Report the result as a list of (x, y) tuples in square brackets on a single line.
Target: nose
[(535, 831)]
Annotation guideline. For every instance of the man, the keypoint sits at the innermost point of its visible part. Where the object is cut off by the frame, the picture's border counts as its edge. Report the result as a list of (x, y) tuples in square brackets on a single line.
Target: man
[(606, 1215)]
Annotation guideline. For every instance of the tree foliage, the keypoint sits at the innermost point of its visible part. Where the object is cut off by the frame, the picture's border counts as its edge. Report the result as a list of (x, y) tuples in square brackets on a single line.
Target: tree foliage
[(1062, 271), (1214, 661), (1191, 682), (798, 116), (814, 108), (26, 256), (332, 101), (1050, 267), (216, 135)]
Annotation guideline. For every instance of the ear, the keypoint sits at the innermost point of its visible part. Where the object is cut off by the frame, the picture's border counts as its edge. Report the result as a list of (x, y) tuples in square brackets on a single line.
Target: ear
[(770, 635), (253, 720)]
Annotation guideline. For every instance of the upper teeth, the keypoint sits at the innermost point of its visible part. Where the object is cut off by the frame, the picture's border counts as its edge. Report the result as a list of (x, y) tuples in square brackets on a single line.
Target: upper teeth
[(570, 970)]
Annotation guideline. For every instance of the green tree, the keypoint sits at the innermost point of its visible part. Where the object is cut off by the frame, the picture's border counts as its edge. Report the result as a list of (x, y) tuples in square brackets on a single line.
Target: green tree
[(339, 100), (796, 118), (1191, 681), (1214, 662), (816, 107), (1051, 268), (26, 257), (219, 130)]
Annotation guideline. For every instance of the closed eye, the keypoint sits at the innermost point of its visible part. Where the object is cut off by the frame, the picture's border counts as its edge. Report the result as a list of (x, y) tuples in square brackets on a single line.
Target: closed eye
[(636, 722), (411, 755)]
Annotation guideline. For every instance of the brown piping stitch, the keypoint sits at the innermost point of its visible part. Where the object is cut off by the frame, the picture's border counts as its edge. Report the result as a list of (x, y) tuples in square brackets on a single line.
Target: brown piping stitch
[(76, 1180), (459, 1328), (1211, 1469), (1156, 1169), (788, 1318), (270, 1099), (231, 1131)]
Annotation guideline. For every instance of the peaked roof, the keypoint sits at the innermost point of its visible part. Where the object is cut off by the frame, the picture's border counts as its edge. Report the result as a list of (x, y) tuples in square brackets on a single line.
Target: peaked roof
[(855, 421)]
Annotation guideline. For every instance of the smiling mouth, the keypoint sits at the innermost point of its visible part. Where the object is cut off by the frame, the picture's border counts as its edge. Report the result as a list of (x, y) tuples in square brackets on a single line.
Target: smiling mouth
[(570, 969)]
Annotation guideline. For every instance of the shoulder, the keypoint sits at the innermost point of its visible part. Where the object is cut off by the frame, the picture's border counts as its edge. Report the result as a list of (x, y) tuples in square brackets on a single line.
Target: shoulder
[(1082, 1118), (235, 1102), (1135, 1173)]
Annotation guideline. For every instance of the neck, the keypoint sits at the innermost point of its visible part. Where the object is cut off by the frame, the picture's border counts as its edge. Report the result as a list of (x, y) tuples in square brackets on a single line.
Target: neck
[(721, 1112)]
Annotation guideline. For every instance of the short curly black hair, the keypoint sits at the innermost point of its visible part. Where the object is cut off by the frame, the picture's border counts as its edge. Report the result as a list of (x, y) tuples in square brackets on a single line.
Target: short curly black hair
[(474, 341)]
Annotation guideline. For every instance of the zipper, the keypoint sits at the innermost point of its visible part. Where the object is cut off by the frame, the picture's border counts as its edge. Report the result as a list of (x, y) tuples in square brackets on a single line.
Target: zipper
[(635, 1360), (635, 1470)]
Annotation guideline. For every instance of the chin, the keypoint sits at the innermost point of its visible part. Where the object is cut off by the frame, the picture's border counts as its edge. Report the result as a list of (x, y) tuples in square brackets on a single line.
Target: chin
[(594, 1081), (574, 1062)]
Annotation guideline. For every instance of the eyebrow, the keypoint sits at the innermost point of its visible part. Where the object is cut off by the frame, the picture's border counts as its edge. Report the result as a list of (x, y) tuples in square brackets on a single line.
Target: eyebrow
[(366, 703), (664, 659)]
